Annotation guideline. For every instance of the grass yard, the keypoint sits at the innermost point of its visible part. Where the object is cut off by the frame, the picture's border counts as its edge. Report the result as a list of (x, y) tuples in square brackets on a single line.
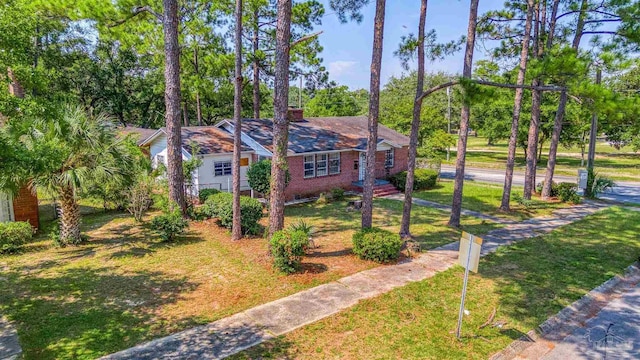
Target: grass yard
[(125, 286), (620, 164), (486, 198), (526, 283)]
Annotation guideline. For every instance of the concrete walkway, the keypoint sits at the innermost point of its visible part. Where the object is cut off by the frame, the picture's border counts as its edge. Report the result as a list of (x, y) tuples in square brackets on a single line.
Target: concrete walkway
[(605, 323), (9, 344), (435, 205), (251, 327)]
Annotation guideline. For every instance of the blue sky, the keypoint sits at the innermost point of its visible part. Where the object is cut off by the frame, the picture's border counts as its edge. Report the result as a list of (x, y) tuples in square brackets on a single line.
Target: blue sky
[(347, 47)]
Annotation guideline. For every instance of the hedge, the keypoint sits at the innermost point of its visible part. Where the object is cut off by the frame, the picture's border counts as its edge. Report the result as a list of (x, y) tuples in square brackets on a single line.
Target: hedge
[(220, 206), (13, 235), (377, 245), (423, 179)]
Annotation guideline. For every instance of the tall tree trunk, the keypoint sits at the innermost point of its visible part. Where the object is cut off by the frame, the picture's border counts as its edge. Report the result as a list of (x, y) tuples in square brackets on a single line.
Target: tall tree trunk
[(562, 104), (593, 133), (236, 229), (536, 102), (280, 118), (196, 65), (456, 206), (374, 112), (415, 128), (256, 64), (517, 108), (175, 176), (69, 217)]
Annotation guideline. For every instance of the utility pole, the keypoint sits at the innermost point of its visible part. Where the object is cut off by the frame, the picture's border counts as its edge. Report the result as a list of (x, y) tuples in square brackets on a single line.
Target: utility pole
[(448, 119), (300, 93), (594, 129)]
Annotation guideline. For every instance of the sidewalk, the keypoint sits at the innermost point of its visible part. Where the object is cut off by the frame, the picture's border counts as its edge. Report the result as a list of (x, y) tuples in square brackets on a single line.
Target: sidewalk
[(603, 323), (231, 335)]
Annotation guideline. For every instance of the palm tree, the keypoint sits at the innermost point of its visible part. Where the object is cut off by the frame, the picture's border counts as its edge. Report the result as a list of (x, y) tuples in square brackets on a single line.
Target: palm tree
[(81, 150)]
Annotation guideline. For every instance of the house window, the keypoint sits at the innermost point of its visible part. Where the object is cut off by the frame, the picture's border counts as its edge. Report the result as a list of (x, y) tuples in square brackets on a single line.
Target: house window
[(388, 158), (309, 166), (334, 163), (321, 165), (222, 168), (159, 159)]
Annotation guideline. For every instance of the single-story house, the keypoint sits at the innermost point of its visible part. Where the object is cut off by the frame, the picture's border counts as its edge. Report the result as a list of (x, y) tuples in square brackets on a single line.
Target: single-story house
[(323, 152), (21, 207)]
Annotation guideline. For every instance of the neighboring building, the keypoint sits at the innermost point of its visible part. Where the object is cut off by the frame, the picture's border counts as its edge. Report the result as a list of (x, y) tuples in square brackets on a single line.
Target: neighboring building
[(22, 207), (324, 153)]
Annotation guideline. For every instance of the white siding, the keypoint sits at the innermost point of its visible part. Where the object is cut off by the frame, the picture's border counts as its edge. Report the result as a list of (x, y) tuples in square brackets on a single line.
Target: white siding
[(6, 207), (207, 179)]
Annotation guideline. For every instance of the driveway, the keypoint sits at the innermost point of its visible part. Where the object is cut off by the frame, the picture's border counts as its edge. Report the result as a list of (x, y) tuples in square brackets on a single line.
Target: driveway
[(625, 192)]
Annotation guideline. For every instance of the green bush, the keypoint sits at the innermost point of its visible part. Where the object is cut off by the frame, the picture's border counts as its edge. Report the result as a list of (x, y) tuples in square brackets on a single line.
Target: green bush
[(13, 235), (204, 194), (287, 249), (169, 225), (259, 176), (567, 192), (377, 245), (221, 206), (337, 194), (423, 179), (597, 184), (554, 188)]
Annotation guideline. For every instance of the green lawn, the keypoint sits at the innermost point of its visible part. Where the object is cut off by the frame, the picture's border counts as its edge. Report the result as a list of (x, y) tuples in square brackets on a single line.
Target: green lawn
[(526, 283), (620, 164), (486, 198), (125, 286)]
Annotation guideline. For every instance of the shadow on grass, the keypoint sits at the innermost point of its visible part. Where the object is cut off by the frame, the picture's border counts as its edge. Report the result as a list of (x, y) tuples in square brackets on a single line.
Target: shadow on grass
[(538, 277), (85, 312), (277, 348)]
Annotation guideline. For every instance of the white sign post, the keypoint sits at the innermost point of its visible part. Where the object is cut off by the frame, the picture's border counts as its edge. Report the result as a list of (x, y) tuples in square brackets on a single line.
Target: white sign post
[(469, 257)]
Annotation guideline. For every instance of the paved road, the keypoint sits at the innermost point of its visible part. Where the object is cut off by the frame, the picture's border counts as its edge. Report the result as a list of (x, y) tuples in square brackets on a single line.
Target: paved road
[(612, 334), (627, 192)]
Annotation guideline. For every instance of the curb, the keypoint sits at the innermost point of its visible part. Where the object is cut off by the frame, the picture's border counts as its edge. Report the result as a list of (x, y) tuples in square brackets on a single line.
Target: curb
[(567, 316)]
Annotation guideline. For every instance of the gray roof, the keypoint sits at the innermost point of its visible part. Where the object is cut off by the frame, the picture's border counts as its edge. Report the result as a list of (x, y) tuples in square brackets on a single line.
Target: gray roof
[(322, 133)]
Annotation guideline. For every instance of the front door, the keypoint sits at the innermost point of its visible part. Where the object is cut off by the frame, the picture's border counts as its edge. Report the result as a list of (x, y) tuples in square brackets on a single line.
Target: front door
[(362, 166)]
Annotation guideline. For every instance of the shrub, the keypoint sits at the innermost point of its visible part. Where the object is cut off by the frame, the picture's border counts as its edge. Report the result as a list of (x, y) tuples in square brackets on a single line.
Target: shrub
[(139, 198), (597, 184), (287, 249), (337, 194), (204, 194), (567, 191), (303, 226), (322, 199), (221, 206), (424, 179), (13, 235), (259, 176), (377, 245), (554, 188), (169, 225)]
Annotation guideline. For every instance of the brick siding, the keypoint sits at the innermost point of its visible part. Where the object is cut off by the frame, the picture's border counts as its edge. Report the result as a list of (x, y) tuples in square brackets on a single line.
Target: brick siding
[(299, 186), (25, 207)]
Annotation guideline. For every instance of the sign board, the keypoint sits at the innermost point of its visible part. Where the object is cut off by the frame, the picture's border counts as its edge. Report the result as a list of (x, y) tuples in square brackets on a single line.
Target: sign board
[(583, 175), (470, 246)]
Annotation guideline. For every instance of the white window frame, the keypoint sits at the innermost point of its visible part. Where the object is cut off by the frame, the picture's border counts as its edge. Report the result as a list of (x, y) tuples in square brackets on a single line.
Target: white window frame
[(336, 158), (389, 157), (311, 168), (322, 168), (224, 167)]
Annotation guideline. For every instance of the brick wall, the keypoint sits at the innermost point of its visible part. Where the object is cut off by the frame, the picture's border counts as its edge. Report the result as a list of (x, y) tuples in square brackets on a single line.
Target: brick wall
[(299, 186), (25, 207)]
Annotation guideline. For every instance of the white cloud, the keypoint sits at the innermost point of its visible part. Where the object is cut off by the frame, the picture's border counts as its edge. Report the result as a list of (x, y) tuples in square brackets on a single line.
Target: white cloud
[(338, 68)]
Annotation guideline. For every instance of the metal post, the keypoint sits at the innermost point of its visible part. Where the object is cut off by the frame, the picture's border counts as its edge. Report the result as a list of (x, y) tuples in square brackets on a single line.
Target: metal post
[(448, 119), (464, 288), (594, 129)]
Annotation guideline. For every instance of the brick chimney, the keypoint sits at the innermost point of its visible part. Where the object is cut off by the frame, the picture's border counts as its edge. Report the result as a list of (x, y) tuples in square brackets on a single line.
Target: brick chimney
[(295, 115)]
